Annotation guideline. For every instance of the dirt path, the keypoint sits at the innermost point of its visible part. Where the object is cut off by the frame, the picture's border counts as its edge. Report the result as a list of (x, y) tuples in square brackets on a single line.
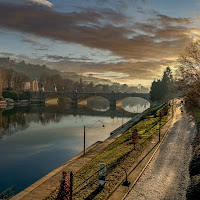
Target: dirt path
[(167, 176)]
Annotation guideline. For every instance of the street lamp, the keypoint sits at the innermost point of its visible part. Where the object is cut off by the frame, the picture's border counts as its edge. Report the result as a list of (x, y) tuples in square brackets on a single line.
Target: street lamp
[(123, 120), (90, 127), (160, 118)]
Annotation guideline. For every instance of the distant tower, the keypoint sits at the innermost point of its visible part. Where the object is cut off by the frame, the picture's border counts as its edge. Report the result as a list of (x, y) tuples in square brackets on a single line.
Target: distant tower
[(81, 81), (55, 88), (35, 87), (42, 87)]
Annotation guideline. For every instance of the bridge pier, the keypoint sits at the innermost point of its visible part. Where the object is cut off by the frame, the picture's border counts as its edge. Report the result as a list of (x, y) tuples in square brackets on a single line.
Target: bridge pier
[(113, 105), (74, 104), (74, 100), (37, 98)]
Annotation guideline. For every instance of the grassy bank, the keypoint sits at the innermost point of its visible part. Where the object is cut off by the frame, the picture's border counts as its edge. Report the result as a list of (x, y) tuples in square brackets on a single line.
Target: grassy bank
[(193, 191), (118, 156)]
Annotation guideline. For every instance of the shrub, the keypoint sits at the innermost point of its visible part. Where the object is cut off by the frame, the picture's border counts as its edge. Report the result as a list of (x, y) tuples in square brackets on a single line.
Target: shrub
[(64, 191), (193, 192), (195, 164)]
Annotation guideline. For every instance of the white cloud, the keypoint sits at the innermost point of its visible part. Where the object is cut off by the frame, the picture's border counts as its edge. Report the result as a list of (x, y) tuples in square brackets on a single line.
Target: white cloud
[(42, 2)]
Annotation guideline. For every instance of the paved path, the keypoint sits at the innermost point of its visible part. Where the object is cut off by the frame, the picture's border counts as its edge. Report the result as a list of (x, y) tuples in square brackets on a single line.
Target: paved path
[(167, 176)]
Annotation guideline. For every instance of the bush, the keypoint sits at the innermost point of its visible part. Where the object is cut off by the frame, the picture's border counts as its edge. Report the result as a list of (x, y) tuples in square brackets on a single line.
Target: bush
[(22, 95), (193, 192), (64, 191), (195, 164), (1, 98)]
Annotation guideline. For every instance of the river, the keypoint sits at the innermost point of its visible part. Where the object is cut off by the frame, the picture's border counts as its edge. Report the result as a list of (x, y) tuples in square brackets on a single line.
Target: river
[(35, 140)]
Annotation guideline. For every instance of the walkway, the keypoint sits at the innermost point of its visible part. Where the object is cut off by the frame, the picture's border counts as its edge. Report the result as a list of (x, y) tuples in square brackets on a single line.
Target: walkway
[(167, 176)]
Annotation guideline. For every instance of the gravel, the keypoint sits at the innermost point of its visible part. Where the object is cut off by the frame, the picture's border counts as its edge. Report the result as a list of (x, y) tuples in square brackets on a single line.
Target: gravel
[(167, 176)]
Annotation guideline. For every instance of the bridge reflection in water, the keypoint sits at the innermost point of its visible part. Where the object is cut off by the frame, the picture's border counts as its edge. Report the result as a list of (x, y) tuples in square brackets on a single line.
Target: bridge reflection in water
[(38, 139), (85, 110)]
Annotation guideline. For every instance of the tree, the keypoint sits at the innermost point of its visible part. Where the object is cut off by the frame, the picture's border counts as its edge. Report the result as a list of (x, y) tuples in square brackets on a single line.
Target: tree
[(188, 75), (156, 91), (161, 89), (64, 191), (167, 82), (8, 77)]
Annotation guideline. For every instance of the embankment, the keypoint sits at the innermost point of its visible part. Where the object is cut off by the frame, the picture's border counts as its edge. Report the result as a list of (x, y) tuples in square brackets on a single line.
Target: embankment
[(43, 187)]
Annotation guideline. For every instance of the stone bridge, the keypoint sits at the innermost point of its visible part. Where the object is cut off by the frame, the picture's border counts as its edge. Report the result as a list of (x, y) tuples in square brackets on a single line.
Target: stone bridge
[(39, 97)]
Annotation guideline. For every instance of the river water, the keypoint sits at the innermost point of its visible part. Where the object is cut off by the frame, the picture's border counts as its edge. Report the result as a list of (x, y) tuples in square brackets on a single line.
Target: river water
[(36, 140)]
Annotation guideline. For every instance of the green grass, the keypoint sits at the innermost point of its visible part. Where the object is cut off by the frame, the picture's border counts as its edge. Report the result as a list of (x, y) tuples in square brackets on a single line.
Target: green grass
[(118, 154)]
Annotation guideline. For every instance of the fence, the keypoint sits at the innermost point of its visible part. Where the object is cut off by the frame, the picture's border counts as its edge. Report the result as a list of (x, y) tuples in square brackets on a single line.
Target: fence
[(8, 193)]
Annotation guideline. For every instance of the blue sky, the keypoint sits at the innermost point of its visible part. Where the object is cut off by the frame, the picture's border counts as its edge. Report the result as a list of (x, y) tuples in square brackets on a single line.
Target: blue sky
[(129, 41)]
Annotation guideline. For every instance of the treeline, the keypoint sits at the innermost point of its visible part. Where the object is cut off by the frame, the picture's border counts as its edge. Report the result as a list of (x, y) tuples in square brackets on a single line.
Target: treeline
[(188, 87), (56, 81), (31, 70), (49, 78), (161, 90), (12, 84)]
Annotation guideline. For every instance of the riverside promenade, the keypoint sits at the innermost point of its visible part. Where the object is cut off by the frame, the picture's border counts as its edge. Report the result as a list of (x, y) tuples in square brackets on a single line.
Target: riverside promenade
[(44, 186)]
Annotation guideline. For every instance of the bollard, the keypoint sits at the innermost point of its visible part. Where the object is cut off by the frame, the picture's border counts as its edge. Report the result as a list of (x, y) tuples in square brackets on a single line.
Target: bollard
[(71, 185)]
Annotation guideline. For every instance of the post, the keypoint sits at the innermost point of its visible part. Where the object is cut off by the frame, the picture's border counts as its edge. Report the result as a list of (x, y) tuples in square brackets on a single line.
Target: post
[(126, 182), (84, 141), (71, 185), (123, 120), (159, 126)]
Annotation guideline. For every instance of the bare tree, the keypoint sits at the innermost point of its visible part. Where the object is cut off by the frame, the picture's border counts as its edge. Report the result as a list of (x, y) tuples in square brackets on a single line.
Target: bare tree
[(188, 75)]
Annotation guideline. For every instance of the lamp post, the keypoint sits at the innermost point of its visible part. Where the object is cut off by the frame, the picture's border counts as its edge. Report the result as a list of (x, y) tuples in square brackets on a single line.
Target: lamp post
[(123, 120), (84, 133), (159, 124)]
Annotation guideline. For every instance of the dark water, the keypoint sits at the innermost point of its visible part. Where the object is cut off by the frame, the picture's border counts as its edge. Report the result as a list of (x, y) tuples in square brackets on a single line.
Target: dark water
[(36, 140)]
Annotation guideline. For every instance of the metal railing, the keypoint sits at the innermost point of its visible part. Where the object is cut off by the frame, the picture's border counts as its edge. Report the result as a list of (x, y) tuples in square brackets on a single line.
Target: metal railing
[(8, 193)]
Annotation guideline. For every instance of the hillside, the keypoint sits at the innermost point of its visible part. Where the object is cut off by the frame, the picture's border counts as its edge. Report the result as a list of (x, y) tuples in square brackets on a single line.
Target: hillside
[(31, 70), (36, 70), (86, 79)]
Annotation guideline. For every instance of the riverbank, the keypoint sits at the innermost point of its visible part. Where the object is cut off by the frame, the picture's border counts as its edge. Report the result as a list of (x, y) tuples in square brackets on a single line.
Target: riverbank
[(42, 188), (92, 151)]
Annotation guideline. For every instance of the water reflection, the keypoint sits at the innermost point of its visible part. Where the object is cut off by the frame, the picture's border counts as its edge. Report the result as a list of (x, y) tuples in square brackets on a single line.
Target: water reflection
[(36, 140)]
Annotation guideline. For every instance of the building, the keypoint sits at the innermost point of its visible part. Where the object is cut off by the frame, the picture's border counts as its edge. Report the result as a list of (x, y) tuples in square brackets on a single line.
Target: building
[(34, 86), (27, 85)]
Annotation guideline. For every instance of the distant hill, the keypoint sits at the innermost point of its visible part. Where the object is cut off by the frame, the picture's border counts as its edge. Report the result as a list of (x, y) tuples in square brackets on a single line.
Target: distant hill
[(35, 71), (31, 70), (86, 79)]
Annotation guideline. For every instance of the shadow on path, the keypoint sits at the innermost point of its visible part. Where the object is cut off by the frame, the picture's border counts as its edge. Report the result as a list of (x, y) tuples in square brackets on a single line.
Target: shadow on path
[(93, 194)]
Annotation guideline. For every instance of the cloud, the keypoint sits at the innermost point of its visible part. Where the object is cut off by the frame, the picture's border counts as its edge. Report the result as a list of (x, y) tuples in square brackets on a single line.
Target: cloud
[(56, 58), (130, 70), (165, 18), (34, 41), (39, 2), (5, 54), (146, 48), (96, 28)]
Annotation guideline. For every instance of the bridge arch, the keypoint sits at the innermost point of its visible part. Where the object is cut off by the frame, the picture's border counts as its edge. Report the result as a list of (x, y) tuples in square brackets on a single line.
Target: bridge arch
[(38, 97), (132, 104), (96, 103)]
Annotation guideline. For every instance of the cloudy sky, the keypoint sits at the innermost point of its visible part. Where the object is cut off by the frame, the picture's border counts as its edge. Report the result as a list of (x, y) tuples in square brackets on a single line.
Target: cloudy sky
[(127, 41)]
